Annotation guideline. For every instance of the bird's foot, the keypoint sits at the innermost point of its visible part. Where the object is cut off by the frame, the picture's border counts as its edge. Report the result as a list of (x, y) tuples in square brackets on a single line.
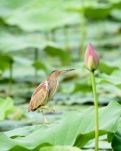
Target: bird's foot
[(46, 121), (52, 110), (48, 108)]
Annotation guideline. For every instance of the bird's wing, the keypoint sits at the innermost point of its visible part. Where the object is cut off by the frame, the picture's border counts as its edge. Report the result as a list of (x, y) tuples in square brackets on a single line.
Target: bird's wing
[(53, 89), (39, 96)]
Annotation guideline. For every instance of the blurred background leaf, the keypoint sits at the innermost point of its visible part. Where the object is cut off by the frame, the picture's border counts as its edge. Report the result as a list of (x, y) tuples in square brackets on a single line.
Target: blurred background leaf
[(6, 106), (37, 37)]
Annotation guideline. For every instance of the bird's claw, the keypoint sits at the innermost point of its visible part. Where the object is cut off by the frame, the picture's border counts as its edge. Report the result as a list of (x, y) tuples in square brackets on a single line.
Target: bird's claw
[(48, 108), (46, 121), (52, 110)]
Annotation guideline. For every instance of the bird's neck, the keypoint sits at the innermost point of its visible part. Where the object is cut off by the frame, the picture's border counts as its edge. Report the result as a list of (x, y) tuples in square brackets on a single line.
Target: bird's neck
[(53, 84), (51, 80)]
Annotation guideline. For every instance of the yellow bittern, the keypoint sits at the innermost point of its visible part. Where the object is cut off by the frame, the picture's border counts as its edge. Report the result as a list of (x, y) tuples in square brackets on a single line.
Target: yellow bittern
[(45, 91)]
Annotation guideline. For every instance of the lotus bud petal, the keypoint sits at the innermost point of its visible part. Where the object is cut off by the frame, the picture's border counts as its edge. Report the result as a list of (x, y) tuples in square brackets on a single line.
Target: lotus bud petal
[(91, 58)]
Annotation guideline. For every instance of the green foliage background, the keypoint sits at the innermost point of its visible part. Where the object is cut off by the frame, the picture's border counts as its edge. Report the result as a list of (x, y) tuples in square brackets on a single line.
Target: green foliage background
[(39, 36)]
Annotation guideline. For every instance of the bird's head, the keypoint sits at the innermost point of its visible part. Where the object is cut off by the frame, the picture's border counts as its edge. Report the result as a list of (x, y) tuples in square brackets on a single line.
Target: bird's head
[(57, 73)]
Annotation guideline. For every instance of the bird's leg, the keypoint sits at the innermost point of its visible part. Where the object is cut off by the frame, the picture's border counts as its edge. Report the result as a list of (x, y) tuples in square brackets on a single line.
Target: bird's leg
[(45, 119), (52, 110), (48, 108)]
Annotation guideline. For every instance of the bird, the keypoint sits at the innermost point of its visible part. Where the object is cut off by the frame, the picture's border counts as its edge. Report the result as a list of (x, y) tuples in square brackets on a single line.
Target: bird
[(45, 91)]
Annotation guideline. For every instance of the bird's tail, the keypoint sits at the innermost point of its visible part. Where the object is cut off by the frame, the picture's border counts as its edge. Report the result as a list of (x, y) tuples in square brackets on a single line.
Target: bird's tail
[(29, 108)]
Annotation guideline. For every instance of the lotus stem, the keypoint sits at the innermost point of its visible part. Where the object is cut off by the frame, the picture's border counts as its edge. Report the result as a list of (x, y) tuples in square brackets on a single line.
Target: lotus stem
[(96, 110), (10, 78), (66, 40), (36, 52)]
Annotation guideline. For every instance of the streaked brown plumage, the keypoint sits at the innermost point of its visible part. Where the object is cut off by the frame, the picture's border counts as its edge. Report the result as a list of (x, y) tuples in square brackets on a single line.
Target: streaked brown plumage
[(46, 90)]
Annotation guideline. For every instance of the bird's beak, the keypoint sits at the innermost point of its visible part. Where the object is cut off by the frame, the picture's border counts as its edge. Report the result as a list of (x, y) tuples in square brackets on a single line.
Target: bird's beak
[(68, 70)]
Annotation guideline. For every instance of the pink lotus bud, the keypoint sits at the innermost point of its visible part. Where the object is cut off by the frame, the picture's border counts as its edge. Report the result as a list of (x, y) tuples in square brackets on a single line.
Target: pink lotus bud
[(91, 58)]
